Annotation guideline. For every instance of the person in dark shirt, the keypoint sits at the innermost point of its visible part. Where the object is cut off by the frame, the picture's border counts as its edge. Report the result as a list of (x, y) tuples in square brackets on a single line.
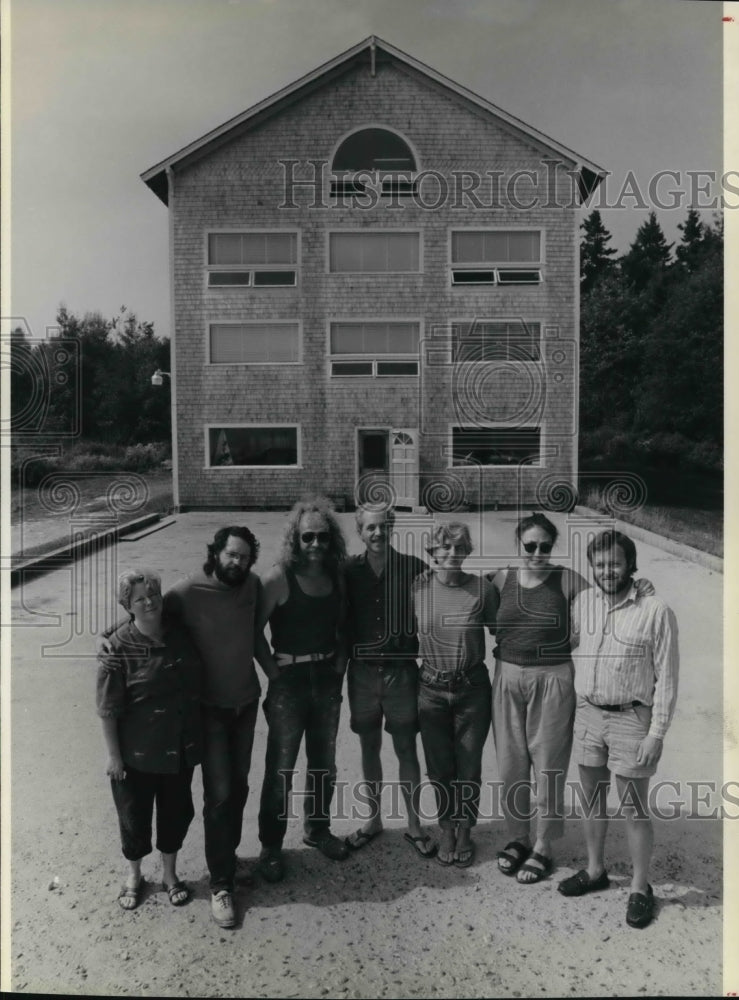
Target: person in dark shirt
[(382, 647), (303, 601), (148, 696)]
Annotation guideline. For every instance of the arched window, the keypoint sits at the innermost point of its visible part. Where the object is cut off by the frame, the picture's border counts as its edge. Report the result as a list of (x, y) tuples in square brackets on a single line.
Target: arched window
[(376, 151)]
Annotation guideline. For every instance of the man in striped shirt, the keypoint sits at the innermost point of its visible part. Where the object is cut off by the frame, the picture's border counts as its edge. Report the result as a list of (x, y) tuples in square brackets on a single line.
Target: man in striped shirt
[(626, 668)]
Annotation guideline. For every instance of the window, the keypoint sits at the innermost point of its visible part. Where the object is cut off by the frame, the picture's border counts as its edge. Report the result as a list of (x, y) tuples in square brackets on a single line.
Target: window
[(496, 445), (254, 343), (248, 446), (374, 348), (493, 340), (495, 256), (255, 258), (373, 252), (374, 151)]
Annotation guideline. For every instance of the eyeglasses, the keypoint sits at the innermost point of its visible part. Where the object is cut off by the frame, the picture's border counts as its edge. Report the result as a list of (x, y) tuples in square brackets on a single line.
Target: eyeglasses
[(322, 537), (544, 547)]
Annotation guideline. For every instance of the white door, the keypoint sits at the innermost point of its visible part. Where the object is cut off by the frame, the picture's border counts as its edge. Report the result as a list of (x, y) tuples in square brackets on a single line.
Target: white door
[(404, 465)]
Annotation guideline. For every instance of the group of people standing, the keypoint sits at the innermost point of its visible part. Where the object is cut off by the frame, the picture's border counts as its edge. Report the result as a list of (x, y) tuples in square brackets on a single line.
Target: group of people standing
[(177, 686)]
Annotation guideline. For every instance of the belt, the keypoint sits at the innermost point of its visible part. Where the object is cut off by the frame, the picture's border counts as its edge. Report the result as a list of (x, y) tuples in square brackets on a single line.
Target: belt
[(616, 708), (289, 659), (445, 677)]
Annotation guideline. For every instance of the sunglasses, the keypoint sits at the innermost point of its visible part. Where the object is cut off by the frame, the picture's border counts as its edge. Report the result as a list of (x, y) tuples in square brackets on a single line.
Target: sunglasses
[(323, 537), (544, 547)]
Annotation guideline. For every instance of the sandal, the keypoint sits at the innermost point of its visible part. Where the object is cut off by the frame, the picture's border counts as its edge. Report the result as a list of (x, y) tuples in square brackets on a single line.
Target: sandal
[(515, 854), (360, 838), (463, 858), (422, 845), (128, 898), (178, 893), (537, 872)]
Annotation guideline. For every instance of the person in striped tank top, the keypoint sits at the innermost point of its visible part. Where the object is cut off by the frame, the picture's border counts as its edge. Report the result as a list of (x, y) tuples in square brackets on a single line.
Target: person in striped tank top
[(453, 608)]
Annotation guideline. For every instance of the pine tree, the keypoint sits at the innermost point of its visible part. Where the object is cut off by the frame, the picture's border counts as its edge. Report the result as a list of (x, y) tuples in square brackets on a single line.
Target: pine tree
[(648, 256), (690, 249), (595, 254)]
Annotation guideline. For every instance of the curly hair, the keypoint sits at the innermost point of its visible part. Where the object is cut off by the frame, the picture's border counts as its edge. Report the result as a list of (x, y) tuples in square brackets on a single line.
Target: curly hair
[(219, 544), (128, 580), (536, 520), (290, 553)]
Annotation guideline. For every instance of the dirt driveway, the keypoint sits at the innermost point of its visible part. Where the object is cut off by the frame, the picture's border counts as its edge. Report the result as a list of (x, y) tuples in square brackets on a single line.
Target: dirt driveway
[(385, 923)]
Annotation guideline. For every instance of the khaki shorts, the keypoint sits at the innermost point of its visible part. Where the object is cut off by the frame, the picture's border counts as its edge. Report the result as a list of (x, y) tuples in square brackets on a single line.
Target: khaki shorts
[(611, 739)]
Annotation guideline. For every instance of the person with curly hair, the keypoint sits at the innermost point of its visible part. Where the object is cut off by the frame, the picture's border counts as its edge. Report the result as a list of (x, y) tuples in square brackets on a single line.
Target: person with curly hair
[(303, 602)]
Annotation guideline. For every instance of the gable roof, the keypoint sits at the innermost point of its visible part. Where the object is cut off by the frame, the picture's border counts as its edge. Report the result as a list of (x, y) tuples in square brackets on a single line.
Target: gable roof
[(371, 51)]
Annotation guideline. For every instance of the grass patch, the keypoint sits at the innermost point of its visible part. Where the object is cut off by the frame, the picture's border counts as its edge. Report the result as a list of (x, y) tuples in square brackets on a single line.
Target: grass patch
[(700, 528)]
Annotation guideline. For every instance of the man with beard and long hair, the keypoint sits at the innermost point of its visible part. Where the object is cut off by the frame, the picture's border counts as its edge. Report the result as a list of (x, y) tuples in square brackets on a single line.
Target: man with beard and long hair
[(220, 606), (303, 601)]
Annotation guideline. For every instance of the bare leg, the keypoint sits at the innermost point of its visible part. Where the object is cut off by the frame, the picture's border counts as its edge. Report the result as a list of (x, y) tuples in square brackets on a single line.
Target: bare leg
[(409, 772), (371, 744), (133, 882), (595, 782), (632, 793)]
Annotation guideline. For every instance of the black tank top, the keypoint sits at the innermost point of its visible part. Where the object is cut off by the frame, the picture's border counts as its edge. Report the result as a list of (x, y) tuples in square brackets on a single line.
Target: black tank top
[(304, 624)]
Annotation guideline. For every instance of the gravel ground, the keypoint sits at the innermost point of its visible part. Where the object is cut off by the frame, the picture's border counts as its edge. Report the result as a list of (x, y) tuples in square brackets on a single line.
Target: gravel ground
[(385, 923)]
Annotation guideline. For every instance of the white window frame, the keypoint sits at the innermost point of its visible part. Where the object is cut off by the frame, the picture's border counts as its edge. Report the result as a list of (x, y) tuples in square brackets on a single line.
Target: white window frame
[(488, 319), (373, 359), (502, 427), (252, 322), (496, 268), (373, 232), (250, 269), (245, 424), (342, 184)]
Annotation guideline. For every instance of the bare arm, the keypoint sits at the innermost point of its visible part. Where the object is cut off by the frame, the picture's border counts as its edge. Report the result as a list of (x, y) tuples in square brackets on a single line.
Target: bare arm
[(115, 767), (262, 652)]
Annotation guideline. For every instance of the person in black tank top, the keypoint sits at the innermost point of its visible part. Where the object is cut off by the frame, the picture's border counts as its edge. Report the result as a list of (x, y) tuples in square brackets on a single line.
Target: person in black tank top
[(303, 603)]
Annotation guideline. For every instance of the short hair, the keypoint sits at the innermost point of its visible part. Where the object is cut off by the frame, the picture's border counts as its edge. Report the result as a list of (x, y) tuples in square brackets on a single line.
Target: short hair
[(291, 554), (128, 580), (371, 508), (218, 544), (536, 520), (609, 539), (455, 531)]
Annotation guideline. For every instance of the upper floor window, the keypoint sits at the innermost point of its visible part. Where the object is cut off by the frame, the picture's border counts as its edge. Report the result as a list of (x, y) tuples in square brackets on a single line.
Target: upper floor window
[(373, 252), (374, 348), (496, 256), (252, 259), (376, 151), (496, 340), (254, 343)]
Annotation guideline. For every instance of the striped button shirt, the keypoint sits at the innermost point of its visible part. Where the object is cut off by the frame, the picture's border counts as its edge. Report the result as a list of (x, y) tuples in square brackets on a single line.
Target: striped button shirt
[(626, 652)]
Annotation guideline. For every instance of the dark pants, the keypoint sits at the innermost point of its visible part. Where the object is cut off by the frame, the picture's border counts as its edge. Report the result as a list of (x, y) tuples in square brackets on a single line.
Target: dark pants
[(228, 736), (454, 720), (305, 698), (134, 799)]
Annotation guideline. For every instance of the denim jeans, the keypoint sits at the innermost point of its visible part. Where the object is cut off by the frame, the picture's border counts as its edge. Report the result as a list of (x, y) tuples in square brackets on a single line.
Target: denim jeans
[(304, 699), (228, 736), (455, 719), (134, 798)]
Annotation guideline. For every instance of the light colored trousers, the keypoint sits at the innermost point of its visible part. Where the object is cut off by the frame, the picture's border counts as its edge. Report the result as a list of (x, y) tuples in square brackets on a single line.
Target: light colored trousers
[(533, 715)]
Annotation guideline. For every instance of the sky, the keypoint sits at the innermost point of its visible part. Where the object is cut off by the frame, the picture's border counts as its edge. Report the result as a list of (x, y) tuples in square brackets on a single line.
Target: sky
[(100, 90)]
